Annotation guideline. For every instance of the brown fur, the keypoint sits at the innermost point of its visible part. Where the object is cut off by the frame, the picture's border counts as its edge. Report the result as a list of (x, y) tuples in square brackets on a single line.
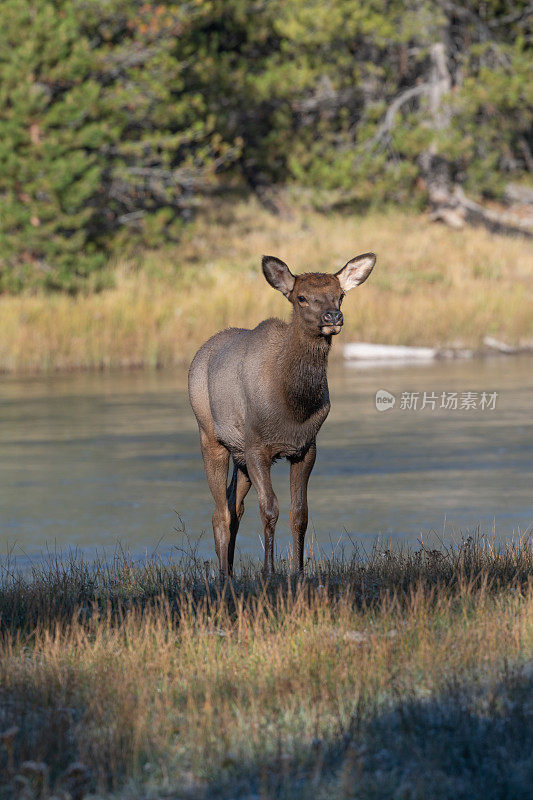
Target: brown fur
[(263, 394)]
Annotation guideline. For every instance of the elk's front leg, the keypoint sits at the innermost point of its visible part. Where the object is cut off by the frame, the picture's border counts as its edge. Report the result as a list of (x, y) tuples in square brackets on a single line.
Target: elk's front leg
[(258, 463), (300, 472)]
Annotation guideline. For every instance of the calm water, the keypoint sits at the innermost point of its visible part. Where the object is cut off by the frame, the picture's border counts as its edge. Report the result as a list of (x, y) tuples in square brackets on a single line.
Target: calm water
[(91, 460)]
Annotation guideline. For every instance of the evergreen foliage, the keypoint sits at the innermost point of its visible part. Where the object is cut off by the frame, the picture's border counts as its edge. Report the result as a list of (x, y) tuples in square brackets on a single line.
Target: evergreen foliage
[(116, 115)]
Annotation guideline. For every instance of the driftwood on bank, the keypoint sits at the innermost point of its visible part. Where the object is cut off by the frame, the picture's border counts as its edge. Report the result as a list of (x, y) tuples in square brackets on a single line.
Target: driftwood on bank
[(457, 209)]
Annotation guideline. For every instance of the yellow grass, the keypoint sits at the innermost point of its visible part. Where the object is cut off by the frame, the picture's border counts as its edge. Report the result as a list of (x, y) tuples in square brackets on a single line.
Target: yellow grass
[(272, 691), (431, 286)]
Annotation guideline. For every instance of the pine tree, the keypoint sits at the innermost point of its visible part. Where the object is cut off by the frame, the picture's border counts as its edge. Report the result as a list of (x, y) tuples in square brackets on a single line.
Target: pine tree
[(115, 115)]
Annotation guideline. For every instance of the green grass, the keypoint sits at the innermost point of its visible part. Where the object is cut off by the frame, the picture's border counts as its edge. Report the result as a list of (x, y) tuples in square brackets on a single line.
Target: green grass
[(396, 674)]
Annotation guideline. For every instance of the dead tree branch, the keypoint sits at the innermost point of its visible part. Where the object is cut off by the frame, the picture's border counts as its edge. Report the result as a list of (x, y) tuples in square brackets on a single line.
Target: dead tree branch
[(496, 221), (387, 124)]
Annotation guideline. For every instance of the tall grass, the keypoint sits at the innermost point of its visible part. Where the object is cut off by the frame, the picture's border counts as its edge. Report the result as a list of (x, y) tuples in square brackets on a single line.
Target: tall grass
[(395, 674), (431, 286)]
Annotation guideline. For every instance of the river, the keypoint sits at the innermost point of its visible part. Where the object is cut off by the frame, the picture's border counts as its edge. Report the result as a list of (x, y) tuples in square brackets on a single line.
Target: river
[(92, 461)]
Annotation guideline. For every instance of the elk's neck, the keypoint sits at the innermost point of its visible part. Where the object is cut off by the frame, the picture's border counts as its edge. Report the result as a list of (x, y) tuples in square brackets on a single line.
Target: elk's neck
[(303, 368)]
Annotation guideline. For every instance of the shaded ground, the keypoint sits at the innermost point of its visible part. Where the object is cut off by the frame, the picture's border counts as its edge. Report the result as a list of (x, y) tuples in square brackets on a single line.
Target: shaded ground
[(395, 674)]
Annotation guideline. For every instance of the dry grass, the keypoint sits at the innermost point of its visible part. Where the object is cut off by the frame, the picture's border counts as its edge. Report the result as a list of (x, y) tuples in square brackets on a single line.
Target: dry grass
[(401, 675), (431, 286)]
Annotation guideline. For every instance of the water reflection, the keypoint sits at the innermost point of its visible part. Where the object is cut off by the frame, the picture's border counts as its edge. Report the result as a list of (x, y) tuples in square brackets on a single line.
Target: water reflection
[(88, 460)]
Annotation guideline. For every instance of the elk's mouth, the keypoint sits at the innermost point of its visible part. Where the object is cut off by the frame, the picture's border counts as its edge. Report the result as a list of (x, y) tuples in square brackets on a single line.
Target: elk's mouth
[(330, 330)]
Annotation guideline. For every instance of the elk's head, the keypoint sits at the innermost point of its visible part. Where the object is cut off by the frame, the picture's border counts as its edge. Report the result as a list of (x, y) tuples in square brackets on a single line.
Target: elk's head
[(316, 297)]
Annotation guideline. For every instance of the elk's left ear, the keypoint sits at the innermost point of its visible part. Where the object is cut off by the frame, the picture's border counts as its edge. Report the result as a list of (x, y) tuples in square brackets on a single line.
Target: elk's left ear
[(356, 271), (278, 274)]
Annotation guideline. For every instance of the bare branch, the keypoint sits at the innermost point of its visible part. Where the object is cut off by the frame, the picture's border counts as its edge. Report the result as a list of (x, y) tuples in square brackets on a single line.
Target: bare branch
[(485, 32), (389, 118), (517, 16), (325, 97)]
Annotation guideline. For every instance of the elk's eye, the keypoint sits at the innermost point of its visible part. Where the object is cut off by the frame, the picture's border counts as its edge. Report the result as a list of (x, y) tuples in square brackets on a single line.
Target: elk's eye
[(302, 299)]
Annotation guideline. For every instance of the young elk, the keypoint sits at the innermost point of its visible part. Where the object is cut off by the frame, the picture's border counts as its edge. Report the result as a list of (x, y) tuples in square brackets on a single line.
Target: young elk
[(262, 394)]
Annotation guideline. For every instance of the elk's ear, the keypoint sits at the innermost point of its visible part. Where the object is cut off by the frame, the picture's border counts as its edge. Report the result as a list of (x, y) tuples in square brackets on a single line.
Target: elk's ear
[(356, 271), (278, 274)]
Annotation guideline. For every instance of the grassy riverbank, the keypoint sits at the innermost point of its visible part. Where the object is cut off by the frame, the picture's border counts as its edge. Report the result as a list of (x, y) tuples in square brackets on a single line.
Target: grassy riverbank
[(431, 286), (389, 675)]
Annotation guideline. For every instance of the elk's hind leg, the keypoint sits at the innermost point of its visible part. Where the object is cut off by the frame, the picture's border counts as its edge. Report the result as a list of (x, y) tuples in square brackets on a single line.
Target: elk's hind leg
[(216, 462), (237, 491)]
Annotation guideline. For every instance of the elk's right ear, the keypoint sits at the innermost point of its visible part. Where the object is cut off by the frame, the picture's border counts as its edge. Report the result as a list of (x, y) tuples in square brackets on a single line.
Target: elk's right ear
[(278, 274)]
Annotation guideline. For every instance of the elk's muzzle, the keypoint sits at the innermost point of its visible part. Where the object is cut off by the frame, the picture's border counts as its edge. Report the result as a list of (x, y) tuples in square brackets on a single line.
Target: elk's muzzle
[(331, 322)]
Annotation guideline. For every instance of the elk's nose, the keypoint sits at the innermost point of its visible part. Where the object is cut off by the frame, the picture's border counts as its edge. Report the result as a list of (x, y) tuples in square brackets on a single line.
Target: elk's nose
[(332, 318)]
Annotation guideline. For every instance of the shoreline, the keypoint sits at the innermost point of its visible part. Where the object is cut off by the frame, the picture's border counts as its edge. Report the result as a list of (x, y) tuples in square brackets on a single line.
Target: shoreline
[(443, 354), (432, 287)]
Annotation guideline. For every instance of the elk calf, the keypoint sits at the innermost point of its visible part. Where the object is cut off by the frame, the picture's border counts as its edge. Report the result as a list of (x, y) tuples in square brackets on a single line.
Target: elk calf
[(262, 394)]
